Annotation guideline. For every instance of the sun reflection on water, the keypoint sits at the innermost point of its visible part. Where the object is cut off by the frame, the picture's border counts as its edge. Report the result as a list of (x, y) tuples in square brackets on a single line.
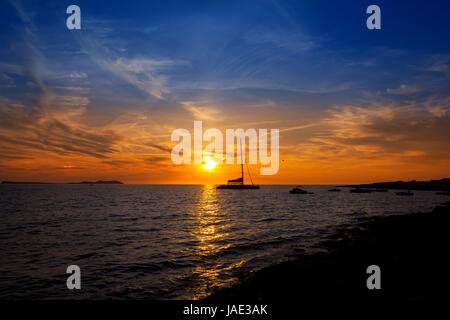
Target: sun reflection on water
[(211, 234)]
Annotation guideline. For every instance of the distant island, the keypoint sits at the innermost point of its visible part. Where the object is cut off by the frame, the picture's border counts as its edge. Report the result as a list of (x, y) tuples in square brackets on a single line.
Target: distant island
[(25, 182), (83, 182), (98, 182), (434, 185)]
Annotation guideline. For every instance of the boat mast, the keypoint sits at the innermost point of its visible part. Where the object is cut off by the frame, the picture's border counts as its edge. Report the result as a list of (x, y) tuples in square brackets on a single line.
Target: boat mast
[(250, 176), (242, 163)]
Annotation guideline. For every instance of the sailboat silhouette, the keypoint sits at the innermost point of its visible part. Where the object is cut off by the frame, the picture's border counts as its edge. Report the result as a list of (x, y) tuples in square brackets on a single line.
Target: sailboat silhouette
[(239, 182)]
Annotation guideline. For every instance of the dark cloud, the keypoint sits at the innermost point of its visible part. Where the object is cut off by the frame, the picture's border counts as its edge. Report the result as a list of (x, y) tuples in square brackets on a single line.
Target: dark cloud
[(160, 147), (405, 131), (15, 157), (156, 158), (157, 161), (28, 130), (118, 163)]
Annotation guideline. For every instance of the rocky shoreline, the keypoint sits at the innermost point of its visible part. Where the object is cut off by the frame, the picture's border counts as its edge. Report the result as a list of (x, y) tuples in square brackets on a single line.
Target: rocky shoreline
[(411, 251), (432, 185)]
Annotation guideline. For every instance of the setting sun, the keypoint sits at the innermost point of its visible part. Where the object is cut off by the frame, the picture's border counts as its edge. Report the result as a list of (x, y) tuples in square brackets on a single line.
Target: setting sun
[(209, 164)]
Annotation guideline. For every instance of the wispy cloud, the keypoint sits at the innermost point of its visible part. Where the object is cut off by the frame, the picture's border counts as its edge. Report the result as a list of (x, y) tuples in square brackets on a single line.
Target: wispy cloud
[(144, 74), (300, 127), (389, 132), (31, 130), (404, 89), (6, 81), (200, 112), (441, 63), (48, 125), (150, 75)]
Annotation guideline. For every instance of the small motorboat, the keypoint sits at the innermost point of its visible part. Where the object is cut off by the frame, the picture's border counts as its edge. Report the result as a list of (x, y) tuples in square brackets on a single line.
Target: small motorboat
[(361, 190), (334, 190), (298, 190), (403, 193)]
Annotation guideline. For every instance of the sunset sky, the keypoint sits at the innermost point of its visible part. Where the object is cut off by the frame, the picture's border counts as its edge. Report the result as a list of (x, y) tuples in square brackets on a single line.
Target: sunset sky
[(353, 105)]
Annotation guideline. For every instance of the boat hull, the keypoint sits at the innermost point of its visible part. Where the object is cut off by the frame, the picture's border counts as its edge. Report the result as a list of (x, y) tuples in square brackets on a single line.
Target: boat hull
[(237, 186), (296, 192)]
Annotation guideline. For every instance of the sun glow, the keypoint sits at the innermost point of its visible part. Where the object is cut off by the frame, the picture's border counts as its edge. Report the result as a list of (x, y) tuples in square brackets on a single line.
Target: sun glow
[(209, 164)]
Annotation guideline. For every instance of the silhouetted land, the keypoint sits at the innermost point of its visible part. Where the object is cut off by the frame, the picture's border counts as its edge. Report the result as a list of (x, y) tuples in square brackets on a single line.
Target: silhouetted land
[(437, 185), (25, 182), (98, 182), (411, 250), (83, 182)]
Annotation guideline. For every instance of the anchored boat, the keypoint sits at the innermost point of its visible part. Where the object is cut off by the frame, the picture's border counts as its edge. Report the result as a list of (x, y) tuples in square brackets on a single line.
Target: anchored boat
[(239, 182), (298, 190)]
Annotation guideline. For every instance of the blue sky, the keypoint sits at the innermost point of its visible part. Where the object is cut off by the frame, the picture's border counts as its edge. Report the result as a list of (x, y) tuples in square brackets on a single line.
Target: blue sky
[(297, 63), (304, 47)]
